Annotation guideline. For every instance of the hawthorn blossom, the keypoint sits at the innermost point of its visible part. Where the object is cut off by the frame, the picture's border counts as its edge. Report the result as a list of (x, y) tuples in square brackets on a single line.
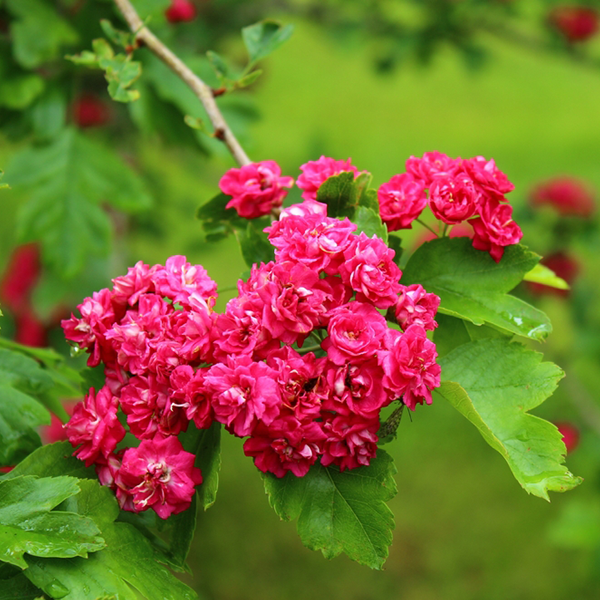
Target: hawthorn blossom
[(488, 179), (567, 195), (255, 189), (432, 165), (401, 201), (453, 199), (158, 474), (94, 428), (416, 306), (316, 172)]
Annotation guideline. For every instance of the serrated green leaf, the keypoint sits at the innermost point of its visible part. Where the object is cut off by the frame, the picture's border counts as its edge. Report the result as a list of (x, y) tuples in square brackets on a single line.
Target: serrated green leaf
[(340, 512), (472, 286), (208, 452), (39, 33), (52, 460), (195, 123), (29, 525), (340, 194), (69, 180), (369, 222), (220, 66), (494, 383), (19, 588), (264, 37), (127, 567), (48, 113), (255, 246), (542, 274), (116, 36), (395, 243), (217, 221)]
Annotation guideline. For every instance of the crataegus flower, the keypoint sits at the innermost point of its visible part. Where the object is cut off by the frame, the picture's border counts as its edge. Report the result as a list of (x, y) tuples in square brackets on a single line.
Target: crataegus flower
[(180, 11), (575, 23), (401, 201), (94, 426), (315, 172), (255, 189), (410, 367), (416, 306), (432, 165), (90, 111), (567, 195), (158, 474), (488, 179), (453, 199), (495, 229)]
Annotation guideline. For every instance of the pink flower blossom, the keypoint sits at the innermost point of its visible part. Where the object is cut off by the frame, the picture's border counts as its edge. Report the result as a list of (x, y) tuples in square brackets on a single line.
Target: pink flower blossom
[(410, 366), (315, 172), (255, 189), (453, 199), (356, 332), (242, 393), (370, 270), (401, 201), (487, 177), (432, 165), (285, 445), (94, 426), (495, 229), (316, 241), (127, 289), (416, 306), (159, 474), (351, 441), (188, 393)]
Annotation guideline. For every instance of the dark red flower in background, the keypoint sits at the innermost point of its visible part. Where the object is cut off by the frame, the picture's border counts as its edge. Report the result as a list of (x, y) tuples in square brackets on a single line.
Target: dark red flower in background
[(90, 111), (570, 435), (575, 23), (567, 195), (566, 267), (180, 11)]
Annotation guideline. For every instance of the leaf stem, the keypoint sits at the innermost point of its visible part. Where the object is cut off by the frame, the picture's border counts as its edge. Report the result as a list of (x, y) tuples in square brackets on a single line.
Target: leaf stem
[(202, 91), (427, 227)]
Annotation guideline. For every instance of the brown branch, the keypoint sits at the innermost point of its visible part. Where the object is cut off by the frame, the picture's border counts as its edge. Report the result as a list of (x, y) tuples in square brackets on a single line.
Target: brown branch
[(204, 92)]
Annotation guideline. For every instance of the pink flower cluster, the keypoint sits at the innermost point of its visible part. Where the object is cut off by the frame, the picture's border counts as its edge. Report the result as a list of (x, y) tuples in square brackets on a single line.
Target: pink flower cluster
[(456, 190), (149, 332)]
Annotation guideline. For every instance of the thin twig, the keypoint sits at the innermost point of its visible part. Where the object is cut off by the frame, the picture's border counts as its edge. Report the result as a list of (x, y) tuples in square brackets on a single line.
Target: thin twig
[(201, 89), (427, 227)]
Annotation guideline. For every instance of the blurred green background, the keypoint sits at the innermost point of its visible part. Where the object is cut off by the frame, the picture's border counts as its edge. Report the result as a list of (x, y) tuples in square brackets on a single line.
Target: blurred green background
[(464, 528)]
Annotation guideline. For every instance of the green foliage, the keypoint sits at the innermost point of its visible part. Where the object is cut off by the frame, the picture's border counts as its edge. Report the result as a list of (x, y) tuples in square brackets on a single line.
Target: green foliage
[(217, 221), (127, 567), (255, 245), (39, 32), (120, 70), (340, 512), (263, 38), (69, 180), (494, 383), (545, 276), (472, 286), (369, 222), (29, 525)]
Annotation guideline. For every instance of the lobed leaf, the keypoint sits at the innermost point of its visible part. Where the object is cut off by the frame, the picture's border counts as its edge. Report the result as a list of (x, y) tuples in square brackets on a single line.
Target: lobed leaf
[(542, 274), (494, 383), (29, 525), (340, 511), (128, 567), (255, 246), (369, 222), (472, 286), (69, 179)]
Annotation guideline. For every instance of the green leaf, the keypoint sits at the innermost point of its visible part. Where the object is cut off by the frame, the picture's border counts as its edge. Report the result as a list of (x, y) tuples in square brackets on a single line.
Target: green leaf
[(340, 194), (195, 123), (52, 460), (369, 222), (116, 36), (208, 452), (39, 32), (20, 413), (255, 246), (220, 66), (395, 243), (248, 79), (48, 113), (128, 567), (217, 221), (340, 512), (542, 274), (263, 38), (146, 8), (19, 588), (69, 180), (183, 527), (29, 525), (472, 286), (494, 383), (19, 91)]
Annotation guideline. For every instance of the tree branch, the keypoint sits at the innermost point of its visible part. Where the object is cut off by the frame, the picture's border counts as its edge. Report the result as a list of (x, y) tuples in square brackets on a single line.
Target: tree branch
[(201, 89)]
